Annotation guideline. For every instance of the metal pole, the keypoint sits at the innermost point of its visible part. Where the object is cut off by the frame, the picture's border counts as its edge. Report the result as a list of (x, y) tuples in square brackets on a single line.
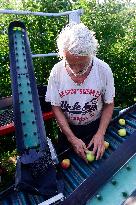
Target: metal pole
[(44, 55), (75, 17), (4, 11)]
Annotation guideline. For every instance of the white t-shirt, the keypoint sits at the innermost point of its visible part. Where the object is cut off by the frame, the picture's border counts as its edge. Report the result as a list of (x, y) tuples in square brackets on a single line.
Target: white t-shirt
[(82, 103)]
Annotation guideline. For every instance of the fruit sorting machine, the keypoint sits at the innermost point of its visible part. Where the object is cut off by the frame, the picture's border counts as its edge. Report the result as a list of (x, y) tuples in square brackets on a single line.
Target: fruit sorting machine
[(109, 181)]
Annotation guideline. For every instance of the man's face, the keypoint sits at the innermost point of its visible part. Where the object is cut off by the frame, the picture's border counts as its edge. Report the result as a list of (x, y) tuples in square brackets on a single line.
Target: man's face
[(76, 63)]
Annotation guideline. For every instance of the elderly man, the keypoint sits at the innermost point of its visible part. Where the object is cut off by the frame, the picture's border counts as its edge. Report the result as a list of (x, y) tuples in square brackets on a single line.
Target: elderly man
[(81, 91)]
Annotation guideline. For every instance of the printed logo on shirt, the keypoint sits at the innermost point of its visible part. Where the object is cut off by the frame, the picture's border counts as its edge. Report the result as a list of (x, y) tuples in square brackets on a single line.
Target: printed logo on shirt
[(77, 111), (91, 92)]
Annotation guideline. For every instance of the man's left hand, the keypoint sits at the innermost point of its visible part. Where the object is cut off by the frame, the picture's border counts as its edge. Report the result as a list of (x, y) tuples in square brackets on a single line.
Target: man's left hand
[(98, 145)]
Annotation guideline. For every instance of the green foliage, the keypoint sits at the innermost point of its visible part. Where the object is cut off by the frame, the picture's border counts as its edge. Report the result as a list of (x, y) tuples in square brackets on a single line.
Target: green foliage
[(7, 168), (42, 32), (113, 22), (115, 27)]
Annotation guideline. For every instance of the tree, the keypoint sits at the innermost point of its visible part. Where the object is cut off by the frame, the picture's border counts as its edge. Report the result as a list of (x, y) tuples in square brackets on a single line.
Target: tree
[(113, 21), (42, 32), (114, 24)]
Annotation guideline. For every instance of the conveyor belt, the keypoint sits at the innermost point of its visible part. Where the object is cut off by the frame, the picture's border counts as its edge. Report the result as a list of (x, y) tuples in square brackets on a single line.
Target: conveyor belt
[(85, 182), (7, 116), (7, 120), (30, 130), (119, 187), (82, 180), (35, 163)]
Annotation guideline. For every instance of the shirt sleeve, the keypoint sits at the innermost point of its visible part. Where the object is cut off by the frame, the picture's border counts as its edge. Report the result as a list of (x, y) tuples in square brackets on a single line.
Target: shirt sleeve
[(109, 90), (52, 93)]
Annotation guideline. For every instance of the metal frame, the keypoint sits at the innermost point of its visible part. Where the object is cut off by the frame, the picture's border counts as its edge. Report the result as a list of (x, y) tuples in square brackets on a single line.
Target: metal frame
[(92, 184), (74, 16), (104, 173)]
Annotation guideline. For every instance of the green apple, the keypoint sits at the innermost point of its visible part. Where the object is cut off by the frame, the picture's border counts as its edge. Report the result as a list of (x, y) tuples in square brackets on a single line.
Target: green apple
[(122, 122), (122, 132), (106, 144), (65, 164), (90, 156)]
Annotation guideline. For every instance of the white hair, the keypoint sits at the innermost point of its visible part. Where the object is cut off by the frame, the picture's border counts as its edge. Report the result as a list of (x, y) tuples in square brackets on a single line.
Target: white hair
[(77, 39)]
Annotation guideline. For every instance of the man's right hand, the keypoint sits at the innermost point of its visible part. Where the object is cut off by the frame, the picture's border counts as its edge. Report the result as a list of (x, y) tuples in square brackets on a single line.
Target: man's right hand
[(80, 148), (78, 145)]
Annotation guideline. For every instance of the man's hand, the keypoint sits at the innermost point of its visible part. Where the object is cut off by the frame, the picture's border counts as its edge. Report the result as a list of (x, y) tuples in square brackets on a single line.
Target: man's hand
[(98, 148), (80, 148)]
